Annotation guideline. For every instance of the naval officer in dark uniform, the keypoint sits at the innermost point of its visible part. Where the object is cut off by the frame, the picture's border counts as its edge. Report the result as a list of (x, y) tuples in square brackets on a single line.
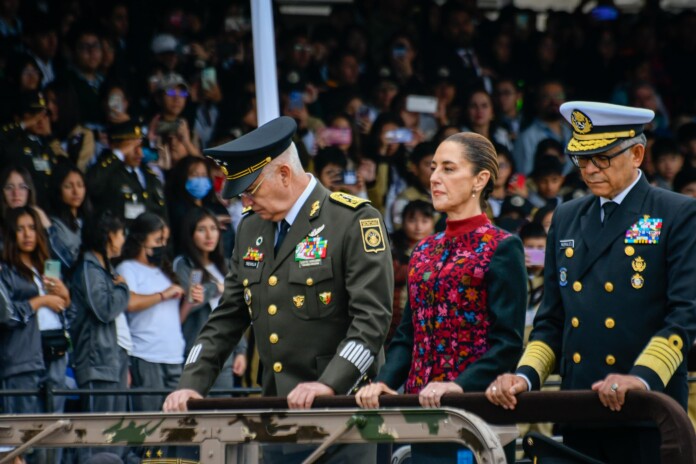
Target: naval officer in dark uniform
[(119, 181), (26, 143), (619, 307), (311, 270)]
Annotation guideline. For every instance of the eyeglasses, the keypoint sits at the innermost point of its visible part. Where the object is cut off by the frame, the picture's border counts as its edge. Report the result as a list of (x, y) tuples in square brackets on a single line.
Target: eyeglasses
[(600, 161), (303, 48), (176, 93), (249, 194), (12, 187)]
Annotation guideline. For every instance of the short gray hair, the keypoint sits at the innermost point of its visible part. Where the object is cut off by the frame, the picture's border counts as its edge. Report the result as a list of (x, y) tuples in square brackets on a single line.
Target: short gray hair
[(289, 157)]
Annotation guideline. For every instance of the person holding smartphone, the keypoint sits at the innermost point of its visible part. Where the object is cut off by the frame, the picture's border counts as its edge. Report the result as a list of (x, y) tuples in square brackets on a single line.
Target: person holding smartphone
[(202, 268), (38, 303)]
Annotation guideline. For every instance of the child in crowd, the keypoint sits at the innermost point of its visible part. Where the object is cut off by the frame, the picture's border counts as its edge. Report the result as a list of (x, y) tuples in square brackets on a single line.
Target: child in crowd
[(685, 182), (418, 219), (418, 182), (533, 238), (668, 161), (548, 178), (331, 170)]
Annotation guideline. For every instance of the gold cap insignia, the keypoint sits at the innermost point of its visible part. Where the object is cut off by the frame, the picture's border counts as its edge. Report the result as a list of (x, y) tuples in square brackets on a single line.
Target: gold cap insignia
[(298, 300), (581, 122)]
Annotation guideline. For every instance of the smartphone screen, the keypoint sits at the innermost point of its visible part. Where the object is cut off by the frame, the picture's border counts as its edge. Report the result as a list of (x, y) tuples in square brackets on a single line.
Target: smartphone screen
[(296, 100), (52, 268), (196, 279), (400, 135), (349, 178)]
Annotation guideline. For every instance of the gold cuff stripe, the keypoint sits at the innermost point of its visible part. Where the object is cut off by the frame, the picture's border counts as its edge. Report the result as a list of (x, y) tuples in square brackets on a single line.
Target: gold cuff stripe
[(540, 357), (662, 357), (249, 170), (605, 135)]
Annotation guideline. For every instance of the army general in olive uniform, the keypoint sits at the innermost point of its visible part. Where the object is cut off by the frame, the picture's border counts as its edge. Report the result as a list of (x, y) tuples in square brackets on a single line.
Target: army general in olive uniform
[(619, 307), (120, 182), (310, 270)]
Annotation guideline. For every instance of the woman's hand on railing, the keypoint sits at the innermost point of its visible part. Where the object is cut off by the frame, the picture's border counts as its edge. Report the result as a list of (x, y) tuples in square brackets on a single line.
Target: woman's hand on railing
[(368, 396), (431, 394), (503, 390)]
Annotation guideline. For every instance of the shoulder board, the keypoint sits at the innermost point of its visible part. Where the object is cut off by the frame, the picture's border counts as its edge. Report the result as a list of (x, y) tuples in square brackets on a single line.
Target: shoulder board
[(247, 210), (348, 200)]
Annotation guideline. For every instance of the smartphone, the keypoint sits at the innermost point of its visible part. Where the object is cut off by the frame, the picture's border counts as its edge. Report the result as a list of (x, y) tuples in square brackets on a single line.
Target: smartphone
[(196, 279), (421, 104), (296, 100), (116, 102), (536, 256), (517, 181), (167, 127), (349, 178), (335, 136), (52, 268), (364, 112), (208, 78), (400, 135)]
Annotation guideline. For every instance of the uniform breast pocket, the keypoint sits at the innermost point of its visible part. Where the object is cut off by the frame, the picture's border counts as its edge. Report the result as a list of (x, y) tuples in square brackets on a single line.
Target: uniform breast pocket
[(312, 290), (250, 278)]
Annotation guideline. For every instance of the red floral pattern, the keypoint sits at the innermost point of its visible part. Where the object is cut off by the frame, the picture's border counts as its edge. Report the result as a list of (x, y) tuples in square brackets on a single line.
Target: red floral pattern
[(448, 297)]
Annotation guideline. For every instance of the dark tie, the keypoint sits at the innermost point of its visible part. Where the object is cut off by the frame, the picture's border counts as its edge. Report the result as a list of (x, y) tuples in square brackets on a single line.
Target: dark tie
[(609, 207), (282, 232)]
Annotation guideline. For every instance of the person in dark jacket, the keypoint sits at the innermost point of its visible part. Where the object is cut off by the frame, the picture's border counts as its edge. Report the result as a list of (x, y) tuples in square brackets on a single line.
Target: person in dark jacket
[(35, 303), (97, 317)]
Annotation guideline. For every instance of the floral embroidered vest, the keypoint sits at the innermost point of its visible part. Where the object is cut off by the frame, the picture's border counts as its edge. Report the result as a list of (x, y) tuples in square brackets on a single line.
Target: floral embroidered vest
[(448, 297)]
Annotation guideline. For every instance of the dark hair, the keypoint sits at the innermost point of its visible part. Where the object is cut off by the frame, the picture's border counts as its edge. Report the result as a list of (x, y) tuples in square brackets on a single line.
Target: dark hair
[(189, 248), (664, 146), (96, 230), (422, 150), (11, 252), (683, 178), (329, 155), (479, 151), (546, 145), (176, 181), (418, 207), (686, 133), (15, 67), (68, 108), (140, 228), (5, 175), (541, 213), (58, 206), (532, 230), (80, 30)]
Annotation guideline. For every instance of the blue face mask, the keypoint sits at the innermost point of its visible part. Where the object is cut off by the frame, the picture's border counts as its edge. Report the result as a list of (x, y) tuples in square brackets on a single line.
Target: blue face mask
[(198, 187)]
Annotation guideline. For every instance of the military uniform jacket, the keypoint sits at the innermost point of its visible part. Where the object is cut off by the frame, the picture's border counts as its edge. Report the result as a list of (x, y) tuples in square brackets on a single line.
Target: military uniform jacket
[(320, 309), (619, 298), (35, 154), (113, 187)]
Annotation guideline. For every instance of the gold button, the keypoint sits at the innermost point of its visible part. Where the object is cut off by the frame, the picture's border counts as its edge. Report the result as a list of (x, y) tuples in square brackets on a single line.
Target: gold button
[(609, 287), (245, 282), (273, 338), (575, 322), (610, 360), (272, 281), (272, 310), (577, 358), (577, 286), (569, 252), (145, 195), (310, 281), (277, 367), (629, 250), (609, 323)]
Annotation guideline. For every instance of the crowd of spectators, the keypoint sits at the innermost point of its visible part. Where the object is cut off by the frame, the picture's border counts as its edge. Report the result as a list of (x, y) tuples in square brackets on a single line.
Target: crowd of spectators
[(374, 87)]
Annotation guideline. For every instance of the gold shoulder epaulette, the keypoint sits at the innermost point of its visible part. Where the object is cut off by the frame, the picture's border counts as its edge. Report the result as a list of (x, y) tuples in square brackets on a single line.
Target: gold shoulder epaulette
[(348, 200)]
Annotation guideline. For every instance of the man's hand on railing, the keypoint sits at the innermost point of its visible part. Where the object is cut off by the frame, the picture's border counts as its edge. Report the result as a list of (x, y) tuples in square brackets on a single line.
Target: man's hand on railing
[(368, 396), (302, 396), (612, 390), (176, 401), (503, 390)]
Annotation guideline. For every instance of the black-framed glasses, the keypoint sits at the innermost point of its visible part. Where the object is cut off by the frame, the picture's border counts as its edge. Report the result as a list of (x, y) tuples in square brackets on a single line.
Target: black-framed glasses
[(249, 194), (600, 161)]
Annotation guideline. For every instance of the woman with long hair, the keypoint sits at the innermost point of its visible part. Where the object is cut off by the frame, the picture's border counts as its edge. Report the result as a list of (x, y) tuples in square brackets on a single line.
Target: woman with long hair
[(153, 310), (18, 190), (202, 253), (70, 207), (39, 304), (467, 287), (479, 117), (98, 325)]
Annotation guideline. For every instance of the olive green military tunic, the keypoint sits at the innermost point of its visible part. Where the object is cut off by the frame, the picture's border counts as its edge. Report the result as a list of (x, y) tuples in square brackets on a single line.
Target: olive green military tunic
[(112, 186), (320, 309)]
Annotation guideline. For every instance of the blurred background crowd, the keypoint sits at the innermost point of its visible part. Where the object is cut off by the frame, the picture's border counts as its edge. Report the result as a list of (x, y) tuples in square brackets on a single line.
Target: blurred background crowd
[(108, 105)]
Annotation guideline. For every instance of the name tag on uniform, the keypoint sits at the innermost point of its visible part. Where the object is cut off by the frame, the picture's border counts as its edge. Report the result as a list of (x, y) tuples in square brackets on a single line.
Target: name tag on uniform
[(41, 164), (567, 243)]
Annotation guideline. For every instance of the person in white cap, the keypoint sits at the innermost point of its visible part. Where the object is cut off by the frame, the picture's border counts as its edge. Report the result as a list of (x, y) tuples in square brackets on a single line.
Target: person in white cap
[(619, 308)]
